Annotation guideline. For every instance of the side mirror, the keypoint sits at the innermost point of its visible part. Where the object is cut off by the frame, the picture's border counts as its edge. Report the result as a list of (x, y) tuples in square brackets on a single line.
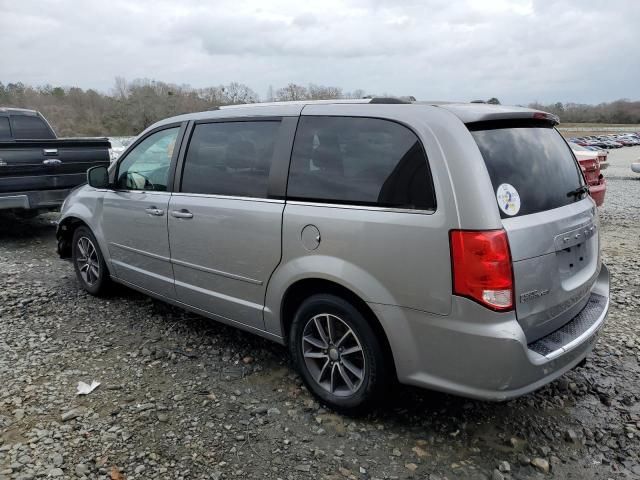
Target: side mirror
[(98, 177)]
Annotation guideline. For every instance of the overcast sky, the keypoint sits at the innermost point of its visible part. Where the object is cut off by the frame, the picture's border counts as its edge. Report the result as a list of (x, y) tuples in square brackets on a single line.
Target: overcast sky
[(517, 50)]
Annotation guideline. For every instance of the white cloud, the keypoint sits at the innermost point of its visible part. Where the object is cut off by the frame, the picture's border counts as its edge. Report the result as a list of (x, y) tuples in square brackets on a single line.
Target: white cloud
[(517, 50)]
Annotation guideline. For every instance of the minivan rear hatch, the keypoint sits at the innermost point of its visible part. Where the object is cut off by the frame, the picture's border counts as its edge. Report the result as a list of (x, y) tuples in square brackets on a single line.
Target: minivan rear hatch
[(549, 219)]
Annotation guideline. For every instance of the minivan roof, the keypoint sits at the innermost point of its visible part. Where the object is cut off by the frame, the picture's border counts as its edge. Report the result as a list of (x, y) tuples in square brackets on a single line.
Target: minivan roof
[(466, 112)]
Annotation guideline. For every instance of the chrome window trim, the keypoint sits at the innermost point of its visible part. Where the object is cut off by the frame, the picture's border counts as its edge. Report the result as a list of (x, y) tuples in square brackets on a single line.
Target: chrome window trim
[(227, 197), (146, 192), (362, 207)]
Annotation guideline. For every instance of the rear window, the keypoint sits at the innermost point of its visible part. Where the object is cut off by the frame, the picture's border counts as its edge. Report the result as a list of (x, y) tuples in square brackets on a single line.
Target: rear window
[(26, 127), (534, 164)]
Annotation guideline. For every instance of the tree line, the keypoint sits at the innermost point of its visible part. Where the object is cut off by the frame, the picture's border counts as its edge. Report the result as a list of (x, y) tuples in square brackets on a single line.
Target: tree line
[(620, 111), (130, 107)]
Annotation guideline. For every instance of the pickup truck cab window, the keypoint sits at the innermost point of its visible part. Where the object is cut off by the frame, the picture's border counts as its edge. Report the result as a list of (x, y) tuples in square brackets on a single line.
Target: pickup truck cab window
[(146, 167), (5, 131), (27, 127)]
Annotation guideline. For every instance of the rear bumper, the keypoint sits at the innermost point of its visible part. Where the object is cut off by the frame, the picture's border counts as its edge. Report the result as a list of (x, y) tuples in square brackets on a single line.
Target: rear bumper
[(484, 355), (33, 200), (597, 192)]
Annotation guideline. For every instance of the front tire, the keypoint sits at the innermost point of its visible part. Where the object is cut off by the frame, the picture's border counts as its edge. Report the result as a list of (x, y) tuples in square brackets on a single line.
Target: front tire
[(338, 354), (88, 262)]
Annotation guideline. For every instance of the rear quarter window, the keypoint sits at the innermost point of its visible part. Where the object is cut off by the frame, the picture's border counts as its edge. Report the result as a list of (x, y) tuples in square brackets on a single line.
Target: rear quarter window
[(536, 161), (359, 161)]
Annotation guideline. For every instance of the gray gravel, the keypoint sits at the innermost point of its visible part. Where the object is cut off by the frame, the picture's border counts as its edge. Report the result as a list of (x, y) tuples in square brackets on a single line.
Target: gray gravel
[(182, 397)]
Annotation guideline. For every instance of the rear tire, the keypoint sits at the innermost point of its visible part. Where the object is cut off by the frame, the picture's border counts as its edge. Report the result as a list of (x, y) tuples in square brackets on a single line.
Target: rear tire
[(339, 355), (88, 262)]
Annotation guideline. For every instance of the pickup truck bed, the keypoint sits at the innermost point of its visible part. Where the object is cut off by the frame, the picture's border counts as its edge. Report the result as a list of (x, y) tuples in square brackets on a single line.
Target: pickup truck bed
[(39, 173)]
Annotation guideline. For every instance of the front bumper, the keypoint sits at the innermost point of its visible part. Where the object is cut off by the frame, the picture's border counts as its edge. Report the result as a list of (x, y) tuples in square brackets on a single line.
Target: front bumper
[(33, 200), (484, 355)]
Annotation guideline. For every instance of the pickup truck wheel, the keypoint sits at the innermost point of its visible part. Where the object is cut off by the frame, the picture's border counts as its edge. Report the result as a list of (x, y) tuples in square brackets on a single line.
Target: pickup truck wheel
[(89, 263), (338, 354)]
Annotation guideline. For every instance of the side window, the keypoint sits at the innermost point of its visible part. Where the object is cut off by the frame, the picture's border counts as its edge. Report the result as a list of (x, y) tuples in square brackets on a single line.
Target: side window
[(146, 167), (362, 161), (26, 127), (5, 131), (230, 158)]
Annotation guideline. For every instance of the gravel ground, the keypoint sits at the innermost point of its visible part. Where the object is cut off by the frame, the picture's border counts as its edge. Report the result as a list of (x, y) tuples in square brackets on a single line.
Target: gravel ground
[(183, 397)]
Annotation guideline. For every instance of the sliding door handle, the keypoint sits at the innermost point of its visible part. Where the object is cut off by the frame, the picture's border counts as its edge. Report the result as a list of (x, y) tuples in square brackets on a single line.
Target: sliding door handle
[(181, 213)]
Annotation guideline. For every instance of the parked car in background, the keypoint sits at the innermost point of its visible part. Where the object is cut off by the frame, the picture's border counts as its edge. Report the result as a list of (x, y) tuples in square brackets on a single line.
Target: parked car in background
[(449, 246), (596, 181), (628, 141), (587, 152), (37, 169), (591, 169)]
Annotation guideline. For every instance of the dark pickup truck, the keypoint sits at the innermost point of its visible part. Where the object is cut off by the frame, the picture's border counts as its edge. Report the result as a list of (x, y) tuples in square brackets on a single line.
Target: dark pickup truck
[(37, 169)]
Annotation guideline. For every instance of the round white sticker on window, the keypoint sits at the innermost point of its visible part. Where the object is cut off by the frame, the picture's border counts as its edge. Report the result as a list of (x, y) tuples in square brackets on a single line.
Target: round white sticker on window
[(508, 199)]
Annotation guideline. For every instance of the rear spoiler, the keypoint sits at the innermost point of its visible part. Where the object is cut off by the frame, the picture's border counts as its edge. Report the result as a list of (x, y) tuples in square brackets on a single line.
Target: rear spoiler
[(516, 122), (476, 113)]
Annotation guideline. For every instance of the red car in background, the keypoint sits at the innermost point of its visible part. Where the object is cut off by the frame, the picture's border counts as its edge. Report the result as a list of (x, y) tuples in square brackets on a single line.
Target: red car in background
[(592, 163), (595, 179)]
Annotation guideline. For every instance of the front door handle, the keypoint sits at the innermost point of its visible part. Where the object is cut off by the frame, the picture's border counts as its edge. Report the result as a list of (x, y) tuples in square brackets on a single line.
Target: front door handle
[(154, 211), (181, 213)]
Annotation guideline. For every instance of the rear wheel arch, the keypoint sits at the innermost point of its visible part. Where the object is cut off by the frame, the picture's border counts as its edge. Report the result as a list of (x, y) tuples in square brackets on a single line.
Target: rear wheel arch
[(303, 289)]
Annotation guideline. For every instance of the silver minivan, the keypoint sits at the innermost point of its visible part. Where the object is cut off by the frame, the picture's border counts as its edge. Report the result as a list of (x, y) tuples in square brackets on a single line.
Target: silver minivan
[(450, 246)]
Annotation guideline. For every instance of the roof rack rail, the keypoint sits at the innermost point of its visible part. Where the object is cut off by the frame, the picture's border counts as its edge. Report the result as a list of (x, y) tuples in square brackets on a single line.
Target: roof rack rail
[(391, 100)]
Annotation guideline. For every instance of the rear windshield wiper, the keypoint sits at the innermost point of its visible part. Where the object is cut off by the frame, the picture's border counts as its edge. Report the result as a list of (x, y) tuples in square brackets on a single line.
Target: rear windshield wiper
[(578, 191)]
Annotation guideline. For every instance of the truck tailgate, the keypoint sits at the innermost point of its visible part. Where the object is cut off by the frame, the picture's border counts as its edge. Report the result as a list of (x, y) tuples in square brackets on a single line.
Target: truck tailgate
[(49, 164)]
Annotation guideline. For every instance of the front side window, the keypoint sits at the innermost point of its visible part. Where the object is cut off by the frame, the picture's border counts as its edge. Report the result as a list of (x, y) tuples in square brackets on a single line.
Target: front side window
[(27, 127), (146, 167), (230, 158), (362, 161)]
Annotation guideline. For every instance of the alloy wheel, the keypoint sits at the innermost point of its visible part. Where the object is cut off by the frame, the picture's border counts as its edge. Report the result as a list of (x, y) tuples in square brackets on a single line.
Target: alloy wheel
[(333, 354), (87, 261)]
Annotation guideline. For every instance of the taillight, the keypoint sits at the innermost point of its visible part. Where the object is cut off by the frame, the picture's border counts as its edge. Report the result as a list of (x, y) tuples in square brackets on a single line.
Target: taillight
[(481, 267)]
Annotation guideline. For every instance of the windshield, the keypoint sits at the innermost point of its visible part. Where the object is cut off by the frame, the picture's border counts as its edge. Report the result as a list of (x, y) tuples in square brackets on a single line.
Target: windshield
[(535, 165)]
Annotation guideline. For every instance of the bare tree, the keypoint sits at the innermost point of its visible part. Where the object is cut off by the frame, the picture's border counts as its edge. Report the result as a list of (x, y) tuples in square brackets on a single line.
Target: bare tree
[(120, 88), (235, 93), (320, 92), (292, 92)]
